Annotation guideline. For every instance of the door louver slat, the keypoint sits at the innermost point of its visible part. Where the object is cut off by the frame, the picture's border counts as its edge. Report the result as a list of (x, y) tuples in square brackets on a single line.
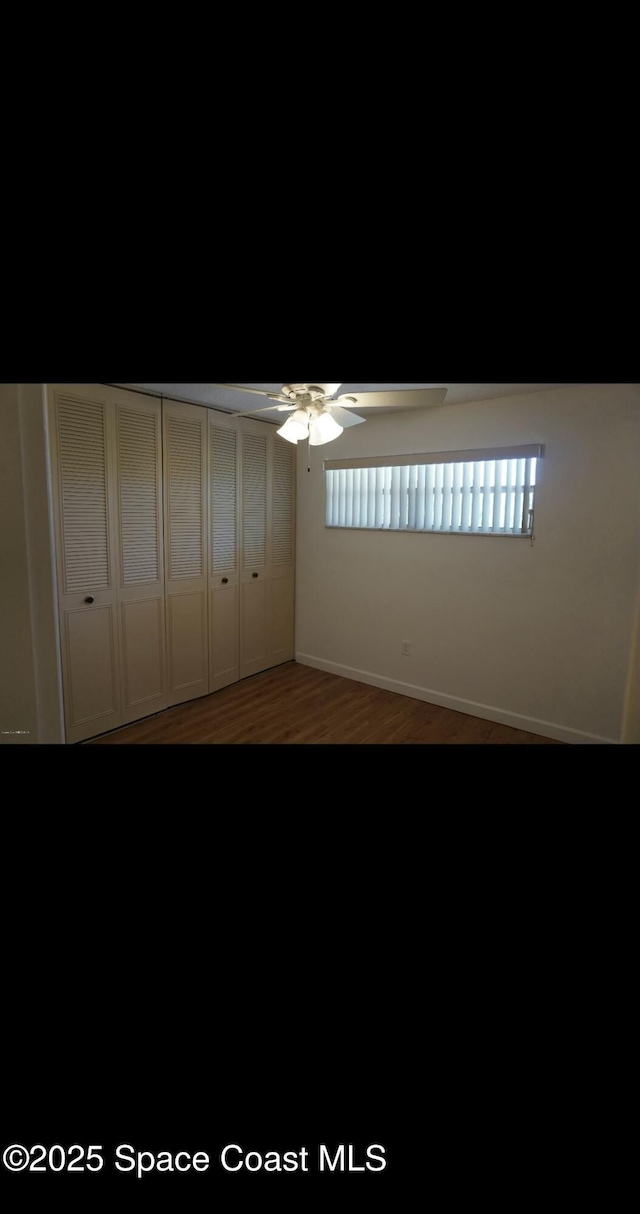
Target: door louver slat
[(83, 480), (137, 450), (185, 498), (223, 499), (254, 475)]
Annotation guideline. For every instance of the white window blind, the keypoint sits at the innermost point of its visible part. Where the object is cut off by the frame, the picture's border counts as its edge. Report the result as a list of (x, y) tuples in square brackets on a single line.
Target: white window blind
[(480, 492)]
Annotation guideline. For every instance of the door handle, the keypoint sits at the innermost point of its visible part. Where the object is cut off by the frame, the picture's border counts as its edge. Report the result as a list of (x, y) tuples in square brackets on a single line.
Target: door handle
[(89, 599), (224, 581), (254, 575)]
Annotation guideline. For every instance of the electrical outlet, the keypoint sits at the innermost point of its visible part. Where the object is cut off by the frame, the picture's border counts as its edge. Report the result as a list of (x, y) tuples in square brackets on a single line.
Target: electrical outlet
[(406, 648)]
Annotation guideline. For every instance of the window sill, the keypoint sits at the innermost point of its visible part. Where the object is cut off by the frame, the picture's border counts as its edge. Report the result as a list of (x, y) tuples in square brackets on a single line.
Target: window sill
[(470, 535)]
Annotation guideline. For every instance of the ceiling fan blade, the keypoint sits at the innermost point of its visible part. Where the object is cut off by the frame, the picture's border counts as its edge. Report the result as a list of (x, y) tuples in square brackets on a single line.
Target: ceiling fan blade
[(281, 403), (239, 388), (411, 398), (343, 417), (274, 408)]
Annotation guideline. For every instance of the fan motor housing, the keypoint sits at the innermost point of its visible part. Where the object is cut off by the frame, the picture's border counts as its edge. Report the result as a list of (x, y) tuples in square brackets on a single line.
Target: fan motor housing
[(307, 392)]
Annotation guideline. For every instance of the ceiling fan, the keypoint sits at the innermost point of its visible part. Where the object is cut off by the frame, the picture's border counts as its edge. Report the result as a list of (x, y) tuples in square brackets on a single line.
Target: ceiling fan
[(318, 413)]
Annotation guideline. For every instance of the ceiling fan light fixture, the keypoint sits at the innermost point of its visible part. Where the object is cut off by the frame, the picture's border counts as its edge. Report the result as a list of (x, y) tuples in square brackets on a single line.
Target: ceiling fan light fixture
[(295, 427), (323, 429)]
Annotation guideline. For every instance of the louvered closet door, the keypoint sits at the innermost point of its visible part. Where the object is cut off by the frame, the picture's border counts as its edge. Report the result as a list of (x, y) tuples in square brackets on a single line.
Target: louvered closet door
[(283, 551), (141, 590), (185, 531), (224, 548), (81, 426), (255, 594)]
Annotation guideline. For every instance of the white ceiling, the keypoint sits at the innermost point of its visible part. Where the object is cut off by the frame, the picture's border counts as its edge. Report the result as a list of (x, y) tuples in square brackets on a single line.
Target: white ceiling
[(240, 402)]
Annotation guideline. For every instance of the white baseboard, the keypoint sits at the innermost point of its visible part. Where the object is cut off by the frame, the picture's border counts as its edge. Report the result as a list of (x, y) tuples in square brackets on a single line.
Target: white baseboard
[(546, 729)]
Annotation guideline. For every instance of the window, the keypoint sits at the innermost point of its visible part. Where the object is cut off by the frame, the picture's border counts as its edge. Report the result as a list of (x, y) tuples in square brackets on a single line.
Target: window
[(483, 492)]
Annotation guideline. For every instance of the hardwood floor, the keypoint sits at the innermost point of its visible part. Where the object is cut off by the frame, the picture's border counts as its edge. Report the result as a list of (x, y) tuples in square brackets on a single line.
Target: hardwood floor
[(296, 704)]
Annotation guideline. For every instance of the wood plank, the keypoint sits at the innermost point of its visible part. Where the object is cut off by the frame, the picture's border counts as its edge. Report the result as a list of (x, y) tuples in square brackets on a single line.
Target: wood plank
[(297, 705)]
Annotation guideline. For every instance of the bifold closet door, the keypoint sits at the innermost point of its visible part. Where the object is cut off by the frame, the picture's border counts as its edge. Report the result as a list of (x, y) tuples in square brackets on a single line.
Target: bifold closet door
[(83, 472), (255, 596), (141, 594), (185, 533), (283, 551), (175, 551), (268, 549), (107, 489), (224, 543)]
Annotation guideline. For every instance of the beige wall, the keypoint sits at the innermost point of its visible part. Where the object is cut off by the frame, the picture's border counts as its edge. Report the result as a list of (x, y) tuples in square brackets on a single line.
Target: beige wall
[(537, 637), (29, 671)]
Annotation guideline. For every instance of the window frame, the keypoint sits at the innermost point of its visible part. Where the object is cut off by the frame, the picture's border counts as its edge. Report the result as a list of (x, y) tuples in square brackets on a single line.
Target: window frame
[(485, 455)]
